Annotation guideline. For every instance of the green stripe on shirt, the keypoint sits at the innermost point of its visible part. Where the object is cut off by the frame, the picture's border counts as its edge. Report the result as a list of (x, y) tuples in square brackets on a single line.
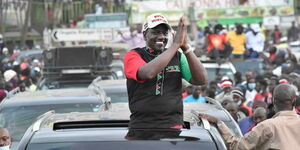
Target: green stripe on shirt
[(185, 69)]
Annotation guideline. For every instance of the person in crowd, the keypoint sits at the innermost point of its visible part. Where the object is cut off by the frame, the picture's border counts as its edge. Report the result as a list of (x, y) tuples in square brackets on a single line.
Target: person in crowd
[(239, 99), (259, 115), (5, 139), (135, 39), (24, 70), (212, 89), (72, 24), (11, 80), (154, 75), (238, 78), (276, 35), (270, 60), (3, 92), (207, 31), (226, 86), (262, 91), (232, 108), (254, 42), (5, 59), (237, 39), (188, 90), (217, 45), (295, 80), (263, 30), (247, 28), (293, 33), (249, 75), (196, 96), (280, 132), (239, 81), (246, 123), (250, 92)]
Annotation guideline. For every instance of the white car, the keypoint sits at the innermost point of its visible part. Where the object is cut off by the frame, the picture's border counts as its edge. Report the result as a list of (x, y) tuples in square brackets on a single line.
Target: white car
[(213, 69)]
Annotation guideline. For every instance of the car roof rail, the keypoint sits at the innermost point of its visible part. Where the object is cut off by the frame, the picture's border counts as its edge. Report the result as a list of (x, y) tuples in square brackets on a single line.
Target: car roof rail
[(205, 123), (93, 84), (13, 92), (37, 124), (101, 93), (214, 102)]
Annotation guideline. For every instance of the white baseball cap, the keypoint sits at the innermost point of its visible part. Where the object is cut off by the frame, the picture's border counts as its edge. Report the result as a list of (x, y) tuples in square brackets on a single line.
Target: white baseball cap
[(9, 74), (155, 20)]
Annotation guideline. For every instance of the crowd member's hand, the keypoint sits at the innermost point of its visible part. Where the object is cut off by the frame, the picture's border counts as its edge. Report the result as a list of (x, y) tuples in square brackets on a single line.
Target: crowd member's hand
[(180, 36), (211, 119)]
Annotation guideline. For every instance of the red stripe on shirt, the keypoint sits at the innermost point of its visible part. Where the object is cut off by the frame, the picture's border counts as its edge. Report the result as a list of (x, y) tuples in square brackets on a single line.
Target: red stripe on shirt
[(132, 62)]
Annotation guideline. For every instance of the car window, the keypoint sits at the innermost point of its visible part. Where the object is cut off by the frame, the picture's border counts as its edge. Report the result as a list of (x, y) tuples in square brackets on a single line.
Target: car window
[(211, 73), (18, 119), (255, 67), (116, 96), (145, 145)]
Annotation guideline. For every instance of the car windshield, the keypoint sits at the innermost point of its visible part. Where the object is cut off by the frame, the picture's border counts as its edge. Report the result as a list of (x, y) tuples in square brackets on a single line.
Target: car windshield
[(145, 145), (117, 96), (255, 67), (18, 119), (212, 73)]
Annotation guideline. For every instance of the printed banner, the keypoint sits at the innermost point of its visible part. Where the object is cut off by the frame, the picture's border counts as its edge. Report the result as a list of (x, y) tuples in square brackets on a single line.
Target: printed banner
[(211, 9)]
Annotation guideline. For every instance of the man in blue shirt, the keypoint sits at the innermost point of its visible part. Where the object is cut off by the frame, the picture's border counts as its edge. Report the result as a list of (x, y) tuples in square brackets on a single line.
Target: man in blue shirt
[(195, 97)]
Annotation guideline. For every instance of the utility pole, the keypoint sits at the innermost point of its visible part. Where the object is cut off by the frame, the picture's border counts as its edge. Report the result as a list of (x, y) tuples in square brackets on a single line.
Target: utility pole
[(3, 15), (25, 26), (192, 20)]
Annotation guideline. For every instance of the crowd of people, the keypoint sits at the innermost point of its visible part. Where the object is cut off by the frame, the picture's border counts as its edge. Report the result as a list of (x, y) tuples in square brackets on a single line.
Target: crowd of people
[(22, 74), (218, 42), (241, 97), (154, 76)]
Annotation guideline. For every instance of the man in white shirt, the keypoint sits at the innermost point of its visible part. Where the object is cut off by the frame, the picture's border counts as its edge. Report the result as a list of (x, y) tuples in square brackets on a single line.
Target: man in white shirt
[(254, 42)]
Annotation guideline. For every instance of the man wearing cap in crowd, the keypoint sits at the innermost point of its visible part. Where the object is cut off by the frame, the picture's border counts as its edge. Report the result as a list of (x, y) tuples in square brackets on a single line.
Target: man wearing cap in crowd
[(154, 75), (11, 79), (226, 86), (280, 132), (254, 42), (239, 98)]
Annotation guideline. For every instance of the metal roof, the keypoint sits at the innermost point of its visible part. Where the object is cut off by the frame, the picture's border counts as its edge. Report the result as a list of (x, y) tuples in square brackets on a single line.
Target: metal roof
[(57, 96)]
